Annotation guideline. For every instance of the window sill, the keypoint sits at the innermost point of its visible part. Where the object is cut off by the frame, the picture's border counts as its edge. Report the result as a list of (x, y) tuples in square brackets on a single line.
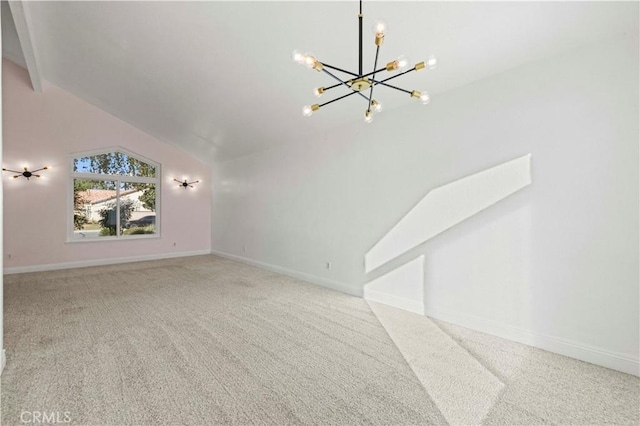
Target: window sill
[(112, 239)]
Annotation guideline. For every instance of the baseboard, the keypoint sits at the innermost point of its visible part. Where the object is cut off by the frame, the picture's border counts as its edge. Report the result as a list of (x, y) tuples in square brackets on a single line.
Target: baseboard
[(3, 360), (313, 279), (100, 262), (593, 355), (395, 301)]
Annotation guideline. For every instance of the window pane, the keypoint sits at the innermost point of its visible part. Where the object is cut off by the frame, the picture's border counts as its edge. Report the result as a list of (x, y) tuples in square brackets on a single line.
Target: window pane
[(113, 163), (140, 199), (94, 208)]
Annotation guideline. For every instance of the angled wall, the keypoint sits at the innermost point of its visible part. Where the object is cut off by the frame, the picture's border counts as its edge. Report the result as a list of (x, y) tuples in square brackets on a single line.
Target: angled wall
[(42, 129), (553, 265)]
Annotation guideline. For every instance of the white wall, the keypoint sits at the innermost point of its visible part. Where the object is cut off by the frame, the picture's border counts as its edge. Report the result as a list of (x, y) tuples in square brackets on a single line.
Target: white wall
[(554, 265), (42, 129)]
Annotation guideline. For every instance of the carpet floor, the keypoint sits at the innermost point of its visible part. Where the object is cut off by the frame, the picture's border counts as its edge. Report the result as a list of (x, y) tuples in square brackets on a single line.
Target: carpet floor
[(475, 378), (205, 341)]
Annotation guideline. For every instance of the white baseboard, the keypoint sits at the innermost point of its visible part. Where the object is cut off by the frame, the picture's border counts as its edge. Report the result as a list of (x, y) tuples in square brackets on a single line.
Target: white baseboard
[(593, 355), (3, 360), (100, 262), (313, 279), (395, 301)]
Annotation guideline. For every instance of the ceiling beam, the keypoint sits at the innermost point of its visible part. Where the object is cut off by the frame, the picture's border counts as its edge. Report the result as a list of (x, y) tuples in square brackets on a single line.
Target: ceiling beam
[(24, 28)]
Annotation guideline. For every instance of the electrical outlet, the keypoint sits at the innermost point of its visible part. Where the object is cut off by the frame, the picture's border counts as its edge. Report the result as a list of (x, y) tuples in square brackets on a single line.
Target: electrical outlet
[(328, 265), (244, 249), (9, 255), (174, 244)]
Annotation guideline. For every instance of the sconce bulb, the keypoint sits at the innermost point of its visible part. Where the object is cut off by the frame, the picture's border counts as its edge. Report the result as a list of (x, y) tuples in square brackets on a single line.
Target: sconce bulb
[(432, 62)]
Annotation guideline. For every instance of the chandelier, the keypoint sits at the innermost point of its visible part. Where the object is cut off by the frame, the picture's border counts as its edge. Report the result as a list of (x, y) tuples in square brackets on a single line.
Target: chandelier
[(362, 84)]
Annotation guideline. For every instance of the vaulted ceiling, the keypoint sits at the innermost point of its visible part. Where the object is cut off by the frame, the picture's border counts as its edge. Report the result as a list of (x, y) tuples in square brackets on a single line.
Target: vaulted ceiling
[(216, 78)]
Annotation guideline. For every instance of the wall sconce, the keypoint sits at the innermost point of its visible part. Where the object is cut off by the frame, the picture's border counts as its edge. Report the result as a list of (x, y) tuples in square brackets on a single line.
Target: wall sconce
[(26, 173), (186, 184)]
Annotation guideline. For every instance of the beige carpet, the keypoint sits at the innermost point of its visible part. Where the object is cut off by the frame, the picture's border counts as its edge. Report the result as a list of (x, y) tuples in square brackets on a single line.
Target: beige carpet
[(475, 378), (205, 341), (462, 388), (200, 341), (545, 388)]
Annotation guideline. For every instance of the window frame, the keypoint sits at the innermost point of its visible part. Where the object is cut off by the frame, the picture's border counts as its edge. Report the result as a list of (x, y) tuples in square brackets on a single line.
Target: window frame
[(157, 180)]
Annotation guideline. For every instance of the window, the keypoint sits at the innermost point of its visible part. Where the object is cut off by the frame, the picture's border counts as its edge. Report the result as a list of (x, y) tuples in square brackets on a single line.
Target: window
[(114, 196)]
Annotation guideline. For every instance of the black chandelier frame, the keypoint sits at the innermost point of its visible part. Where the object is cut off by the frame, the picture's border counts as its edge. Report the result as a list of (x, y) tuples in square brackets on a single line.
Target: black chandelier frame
[(359, 82)]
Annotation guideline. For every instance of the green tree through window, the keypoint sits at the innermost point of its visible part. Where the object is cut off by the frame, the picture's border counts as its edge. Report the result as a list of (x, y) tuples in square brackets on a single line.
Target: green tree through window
[(114, 195)]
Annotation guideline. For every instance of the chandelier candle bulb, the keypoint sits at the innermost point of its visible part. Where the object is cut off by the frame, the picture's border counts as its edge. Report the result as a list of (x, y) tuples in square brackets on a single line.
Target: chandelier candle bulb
[(379, 29), (432, 62), (308, 110), (368, 117), (403, 62), (376, 106), (298, 57), (399, 64), (318, 91), (309, 60), (424, 97)]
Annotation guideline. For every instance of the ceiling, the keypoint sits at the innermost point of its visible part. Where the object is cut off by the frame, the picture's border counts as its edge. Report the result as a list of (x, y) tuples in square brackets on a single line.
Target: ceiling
[(216, 78)]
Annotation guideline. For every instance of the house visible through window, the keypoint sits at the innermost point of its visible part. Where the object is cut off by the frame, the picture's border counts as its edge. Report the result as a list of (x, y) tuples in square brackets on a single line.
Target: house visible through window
[(114, 196)]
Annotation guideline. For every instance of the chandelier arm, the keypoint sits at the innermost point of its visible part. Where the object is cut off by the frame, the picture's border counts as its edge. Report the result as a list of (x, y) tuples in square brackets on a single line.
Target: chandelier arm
[(12, 171), (391, 86), (332, 87), (44, 168), (374, 72), (342, 82), (376, 82), (375, 64), (337, 99), (339, 69), (396, 76)]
